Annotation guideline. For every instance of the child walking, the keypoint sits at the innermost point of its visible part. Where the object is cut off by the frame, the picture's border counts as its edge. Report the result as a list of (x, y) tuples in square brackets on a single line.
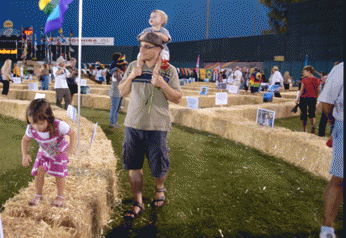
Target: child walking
[(158, 19), (52, 156)]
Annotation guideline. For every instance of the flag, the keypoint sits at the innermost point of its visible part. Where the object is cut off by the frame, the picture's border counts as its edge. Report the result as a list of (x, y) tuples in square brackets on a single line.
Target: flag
[(197, 67), (306, 61), (56, 17)]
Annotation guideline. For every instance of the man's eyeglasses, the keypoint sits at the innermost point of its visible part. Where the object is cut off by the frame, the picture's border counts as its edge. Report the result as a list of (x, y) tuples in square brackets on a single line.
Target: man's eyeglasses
[(147, 47)]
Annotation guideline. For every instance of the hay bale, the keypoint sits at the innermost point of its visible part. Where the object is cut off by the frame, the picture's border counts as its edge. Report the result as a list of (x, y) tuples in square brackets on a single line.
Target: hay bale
[(85, 209), (26, 227)]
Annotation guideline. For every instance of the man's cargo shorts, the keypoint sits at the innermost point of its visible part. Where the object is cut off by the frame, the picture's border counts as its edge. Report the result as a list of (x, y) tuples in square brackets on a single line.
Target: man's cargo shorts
[(152, 144)]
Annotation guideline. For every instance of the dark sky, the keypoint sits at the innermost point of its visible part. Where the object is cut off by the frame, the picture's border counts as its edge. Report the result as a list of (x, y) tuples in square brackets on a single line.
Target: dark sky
[(124, 19)]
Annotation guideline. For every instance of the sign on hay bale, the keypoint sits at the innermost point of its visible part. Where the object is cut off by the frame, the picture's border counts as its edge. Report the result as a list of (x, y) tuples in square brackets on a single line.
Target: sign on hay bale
[(265, 117), (33, 86), (192, 102), (17, 80), (274, 88), (268, 97), (72, 113), (221, 99), (93, 135), (203, 90), (233, 89), (40, 95)]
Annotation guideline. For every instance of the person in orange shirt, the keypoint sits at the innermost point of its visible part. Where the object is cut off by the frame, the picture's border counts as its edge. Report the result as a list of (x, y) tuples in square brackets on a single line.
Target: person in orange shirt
[(16, 71)]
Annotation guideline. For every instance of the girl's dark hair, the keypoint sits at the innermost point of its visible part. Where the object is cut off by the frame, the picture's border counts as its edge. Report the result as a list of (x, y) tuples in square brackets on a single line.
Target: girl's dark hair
[(39, 109)]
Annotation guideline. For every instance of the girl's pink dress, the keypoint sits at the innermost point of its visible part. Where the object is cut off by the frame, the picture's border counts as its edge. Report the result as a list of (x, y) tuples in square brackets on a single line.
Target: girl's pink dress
[(53, 164)]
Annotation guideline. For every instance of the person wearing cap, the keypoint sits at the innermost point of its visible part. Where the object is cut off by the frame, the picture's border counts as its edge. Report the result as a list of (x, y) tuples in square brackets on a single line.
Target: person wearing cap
[(277, 79), (118, 72), (237, 75), (62, 90), (148, 120)]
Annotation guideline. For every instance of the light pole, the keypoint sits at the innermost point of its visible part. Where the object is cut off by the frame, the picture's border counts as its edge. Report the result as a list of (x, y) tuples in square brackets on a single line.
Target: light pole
[(207, 30)]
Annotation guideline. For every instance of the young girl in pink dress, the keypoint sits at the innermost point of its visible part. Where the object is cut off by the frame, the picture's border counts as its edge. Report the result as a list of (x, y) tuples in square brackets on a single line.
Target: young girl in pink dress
[(52, 156)]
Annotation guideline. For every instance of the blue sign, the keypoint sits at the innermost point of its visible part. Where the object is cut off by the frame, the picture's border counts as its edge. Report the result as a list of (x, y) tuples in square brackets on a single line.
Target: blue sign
[(268, 97), (274, 88)]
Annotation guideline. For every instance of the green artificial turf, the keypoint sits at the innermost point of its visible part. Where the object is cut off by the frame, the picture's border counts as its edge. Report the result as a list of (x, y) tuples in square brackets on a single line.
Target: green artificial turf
[(215, 184), (295, 124), (13, 175)]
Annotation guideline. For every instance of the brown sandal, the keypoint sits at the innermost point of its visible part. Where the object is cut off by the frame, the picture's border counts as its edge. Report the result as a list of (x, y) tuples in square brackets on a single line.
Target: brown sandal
[(36, 200), (127, 214), (160, 199)]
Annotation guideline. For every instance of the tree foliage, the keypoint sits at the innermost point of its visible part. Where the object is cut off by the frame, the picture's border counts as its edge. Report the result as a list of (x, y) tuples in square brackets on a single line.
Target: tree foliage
[(277, 15)]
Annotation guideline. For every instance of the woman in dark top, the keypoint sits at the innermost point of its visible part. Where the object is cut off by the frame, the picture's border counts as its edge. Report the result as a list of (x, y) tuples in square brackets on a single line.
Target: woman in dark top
[(307, 97)]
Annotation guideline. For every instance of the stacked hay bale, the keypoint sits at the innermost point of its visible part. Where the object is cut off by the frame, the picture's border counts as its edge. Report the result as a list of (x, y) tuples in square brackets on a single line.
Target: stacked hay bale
[(90, 188), (238, 123)]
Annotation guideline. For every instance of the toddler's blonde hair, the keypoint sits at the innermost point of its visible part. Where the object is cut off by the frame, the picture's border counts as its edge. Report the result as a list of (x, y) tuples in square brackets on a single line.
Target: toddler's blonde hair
[(163, 15)]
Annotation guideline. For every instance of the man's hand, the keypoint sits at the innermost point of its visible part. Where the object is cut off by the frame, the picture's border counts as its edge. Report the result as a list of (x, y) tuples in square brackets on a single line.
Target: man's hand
[(157, 80), (135, 73), (25, 160)]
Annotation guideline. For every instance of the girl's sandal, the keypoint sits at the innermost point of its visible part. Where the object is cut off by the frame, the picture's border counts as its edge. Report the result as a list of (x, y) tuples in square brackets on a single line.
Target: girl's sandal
[(36, 200), (58, 201)]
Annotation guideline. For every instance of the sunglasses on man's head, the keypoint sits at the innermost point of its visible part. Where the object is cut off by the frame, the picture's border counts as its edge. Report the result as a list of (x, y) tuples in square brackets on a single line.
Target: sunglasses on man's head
[(147, 47)]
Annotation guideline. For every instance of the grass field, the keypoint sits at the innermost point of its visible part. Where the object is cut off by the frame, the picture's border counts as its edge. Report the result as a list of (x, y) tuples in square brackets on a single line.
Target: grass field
[(13, 175), (215, 186)]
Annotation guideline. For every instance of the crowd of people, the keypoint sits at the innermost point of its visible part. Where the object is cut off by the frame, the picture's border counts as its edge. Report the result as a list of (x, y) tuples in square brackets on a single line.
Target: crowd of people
[(151, 82)]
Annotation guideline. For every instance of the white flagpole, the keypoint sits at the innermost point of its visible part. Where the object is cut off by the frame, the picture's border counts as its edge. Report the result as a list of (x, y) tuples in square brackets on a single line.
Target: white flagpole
[(79, 66)]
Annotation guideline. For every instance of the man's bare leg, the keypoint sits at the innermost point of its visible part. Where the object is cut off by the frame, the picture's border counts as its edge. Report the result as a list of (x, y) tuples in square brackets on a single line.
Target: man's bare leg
[(136, 181), (333, 198), (160, 183)]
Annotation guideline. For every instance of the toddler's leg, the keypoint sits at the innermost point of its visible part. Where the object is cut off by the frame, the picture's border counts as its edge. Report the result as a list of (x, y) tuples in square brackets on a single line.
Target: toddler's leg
[(58, 201), (140, 62), (39, 180), (157, 65), (60, 182)]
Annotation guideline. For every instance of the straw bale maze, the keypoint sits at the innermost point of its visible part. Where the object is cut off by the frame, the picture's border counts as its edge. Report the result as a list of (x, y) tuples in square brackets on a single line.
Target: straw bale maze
[(87, 211)]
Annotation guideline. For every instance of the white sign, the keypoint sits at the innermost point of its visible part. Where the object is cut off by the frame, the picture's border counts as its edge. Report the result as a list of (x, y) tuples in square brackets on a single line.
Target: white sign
[(87, 41), (83, 82), (192, 102), (93, 135), (17, 80), (72, 113), (233, 89), (40, 95), (221, 99), (33, 86), (265, 117), (1, 230)]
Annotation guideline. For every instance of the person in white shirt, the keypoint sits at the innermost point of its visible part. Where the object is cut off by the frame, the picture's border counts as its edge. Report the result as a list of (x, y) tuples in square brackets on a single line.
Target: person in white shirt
[(333, 94), (237, 76), (61, 88), (277, 77)]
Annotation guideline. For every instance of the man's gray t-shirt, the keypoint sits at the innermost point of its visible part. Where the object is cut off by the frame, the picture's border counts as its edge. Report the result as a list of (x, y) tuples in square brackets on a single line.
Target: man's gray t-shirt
[(163, 30), (138, 116)]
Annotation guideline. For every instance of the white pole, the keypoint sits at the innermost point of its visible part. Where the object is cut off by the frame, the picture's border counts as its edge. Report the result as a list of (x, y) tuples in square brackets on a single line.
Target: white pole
[(79, 66), (1, 230)]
